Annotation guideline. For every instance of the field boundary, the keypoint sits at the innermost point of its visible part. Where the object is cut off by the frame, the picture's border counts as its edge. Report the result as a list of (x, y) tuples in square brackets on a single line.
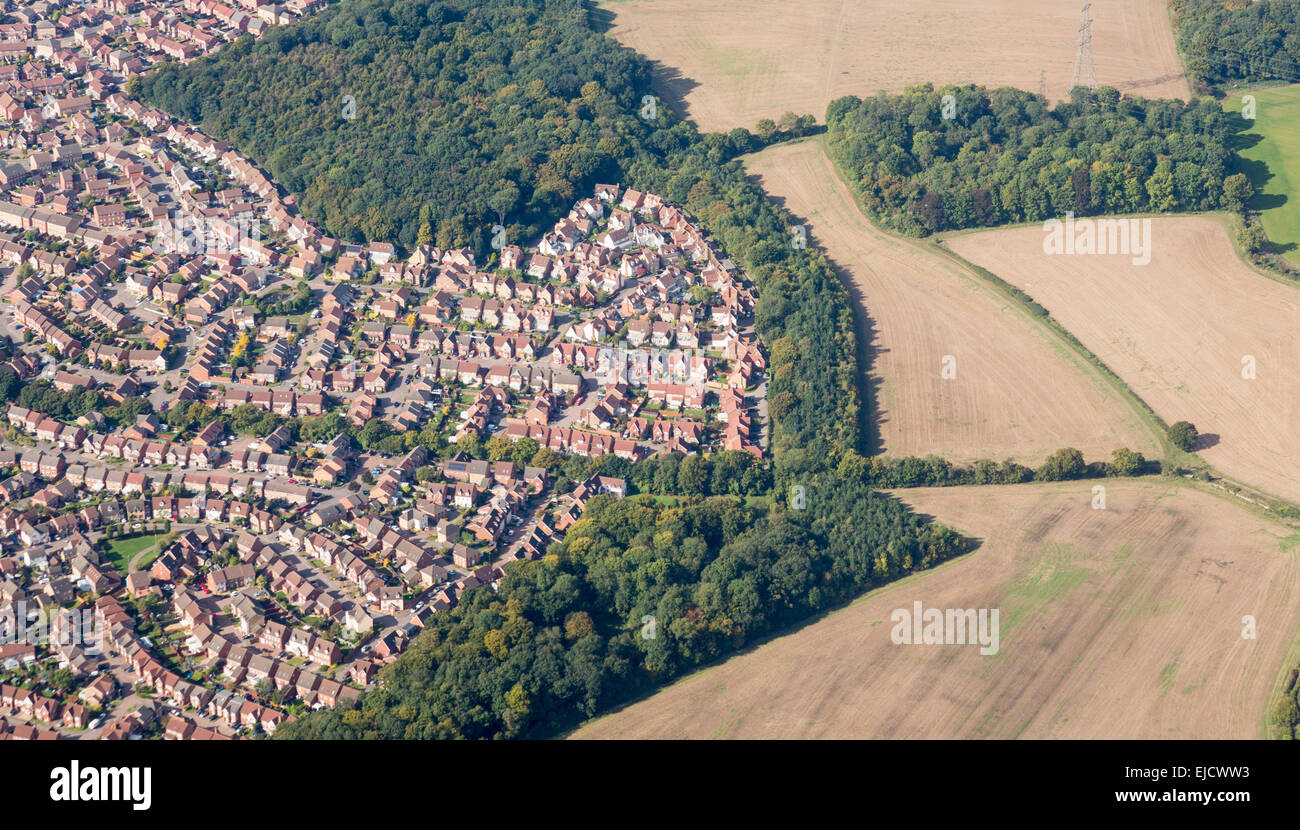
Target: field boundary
[(1174, 458), (1178, 459), (1267, 731), (800, 624), (1022, 302), (1080, 354), (959, 270), (1165, 486)]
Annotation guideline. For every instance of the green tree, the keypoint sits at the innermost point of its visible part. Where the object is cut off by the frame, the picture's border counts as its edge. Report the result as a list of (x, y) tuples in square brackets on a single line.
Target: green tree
[(1182, 435), (578, 625), (498, 447), (1160, 189), (547, 458), (853, 467), (1064, 464), (62, 680), (1237, 191), (495, 641), (1126, 462), (1251, 237), (1286, 714), (693, 475), (522, 451)]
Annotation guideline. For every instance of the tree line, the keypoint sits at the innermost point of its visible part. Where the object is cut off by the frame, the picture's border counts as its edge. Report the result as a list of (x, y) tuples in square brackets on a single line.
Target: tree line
[(930, 160), (1227, 41), (1066, 464)]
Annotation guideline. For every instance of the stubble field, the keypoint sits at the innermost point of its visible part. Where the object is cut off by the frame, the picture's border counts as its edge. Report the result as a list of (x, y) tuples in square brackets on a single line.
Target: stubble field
[(733, 62), (1117, 623), (1016, 393), (1179, 331)]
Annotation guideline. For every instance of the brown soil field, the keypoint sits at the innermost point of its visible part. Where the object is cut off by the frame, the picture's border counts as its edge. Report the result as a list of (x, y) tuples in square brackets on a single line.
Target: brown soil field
[(1176, 330), (1018, 392), (1117, 623), (729, 63)]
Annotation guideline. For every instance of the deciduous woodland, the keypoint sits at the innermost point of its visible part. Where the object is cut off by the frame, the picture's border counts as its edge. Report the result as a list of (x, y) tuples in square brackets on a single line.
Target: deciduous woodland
[(500, 112), (458, 115), (468, 115), (1228, 42), (1004, 157), (636, 594)]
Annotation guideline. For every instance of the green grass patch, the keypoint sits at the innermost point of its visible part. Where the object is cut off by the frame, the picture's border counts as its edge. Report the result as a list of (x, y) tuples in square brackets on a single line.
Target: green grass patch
[(1168, 674), (1058, 571), (1270, 151), (121, 551)]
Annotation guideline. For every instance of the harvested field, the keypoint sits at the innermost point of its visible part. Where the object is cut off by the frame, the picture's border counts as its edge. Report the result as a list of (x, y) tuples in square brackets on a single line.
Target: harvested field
[(1117, 623), (1177, 331), (1017, 392), (733, 62)]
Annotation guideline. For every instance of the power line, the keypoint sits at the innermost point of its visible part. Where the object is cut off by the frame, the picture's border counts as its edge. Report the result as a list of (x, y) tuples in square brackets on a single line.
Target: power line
[(1083, 66)]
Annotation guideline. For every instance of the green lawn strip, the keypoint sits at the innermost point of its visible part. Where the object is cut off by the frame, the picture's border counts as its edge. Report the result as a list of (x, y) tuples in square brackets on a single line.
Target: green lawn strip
[(1270, 148), (121, 551)]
